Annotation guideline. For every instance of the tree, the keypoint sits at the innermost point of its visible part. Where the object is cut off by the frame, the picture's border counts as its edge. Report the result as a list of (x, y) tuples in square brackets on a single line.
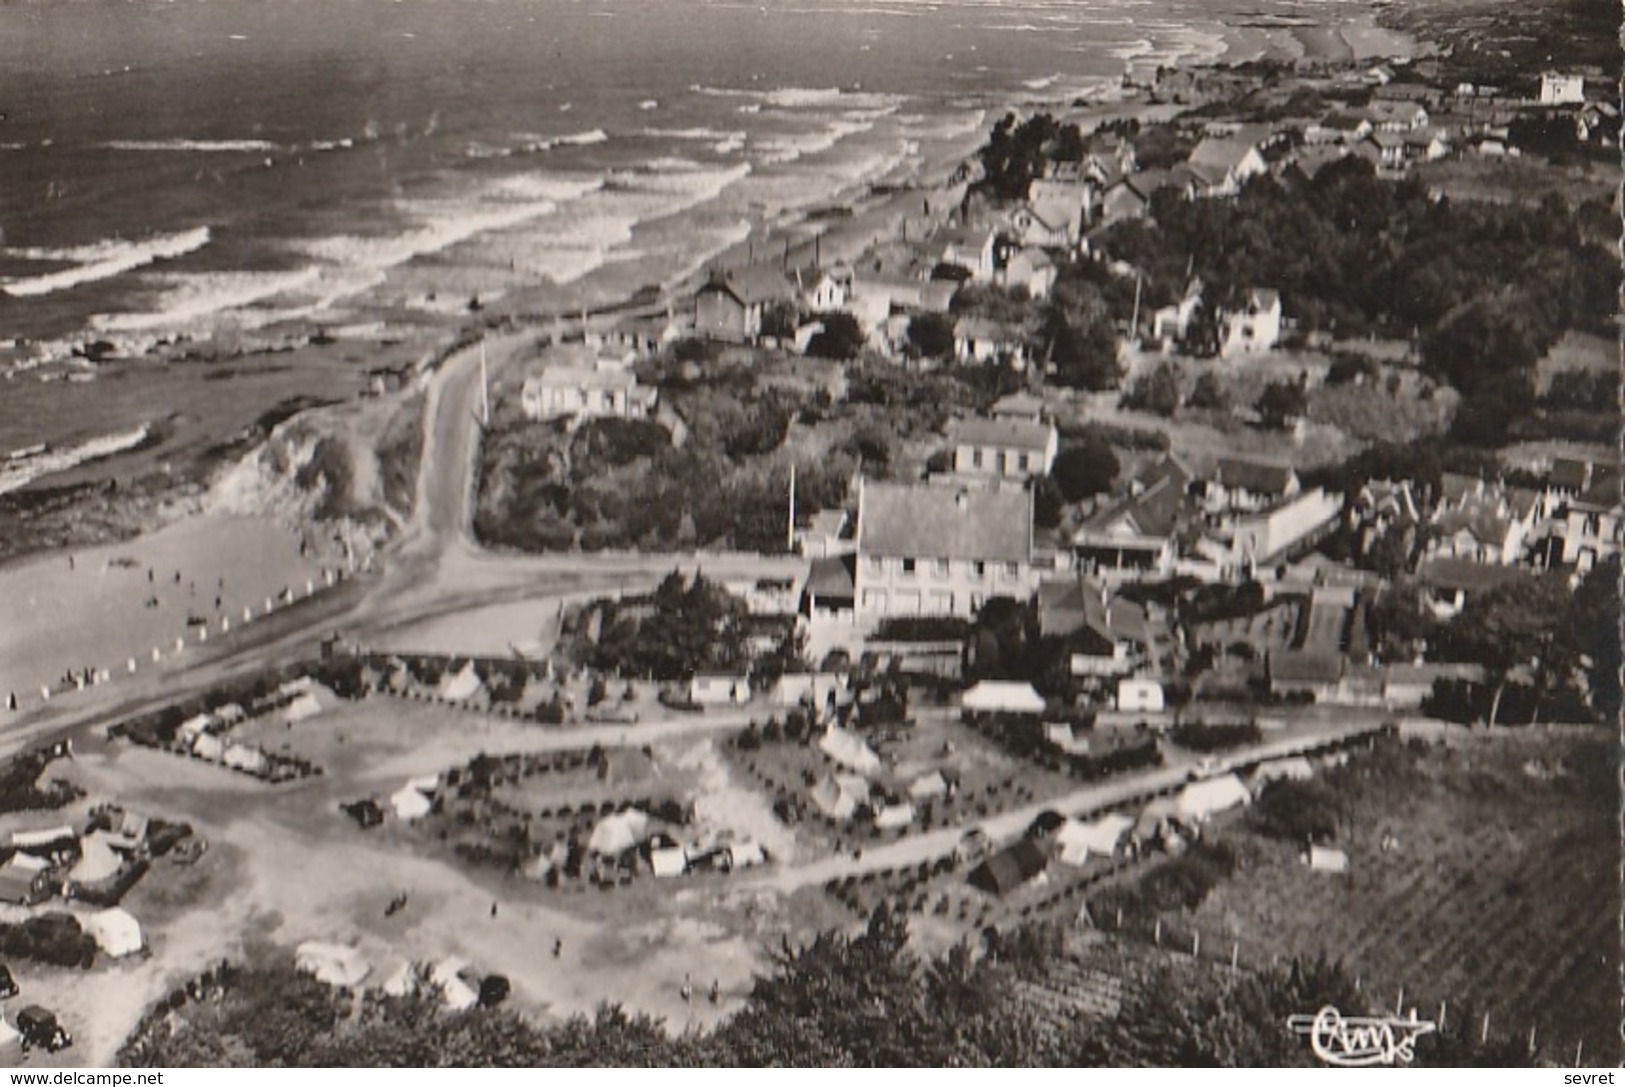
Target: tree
[(1281, 404), (1156, 392), (1209, 393), (1086, 468), (931, 335), (1515, 624), (779, 319), (841, 338)]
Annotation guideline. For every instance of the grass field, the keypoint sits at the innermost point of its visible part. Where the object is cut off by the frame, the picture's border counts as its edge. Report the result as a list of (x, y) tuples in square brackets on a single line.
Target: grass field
[(1502, 896)]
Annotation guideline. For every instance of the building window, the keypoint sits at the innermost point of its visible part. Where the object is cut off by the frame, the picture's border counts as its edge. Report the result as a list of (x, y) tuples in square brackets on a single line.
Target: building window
[(1012, 570), (908, 566), (1002, 463), (877, 565), (940, 567), (979, 569), (976, 458), (1021, 461)]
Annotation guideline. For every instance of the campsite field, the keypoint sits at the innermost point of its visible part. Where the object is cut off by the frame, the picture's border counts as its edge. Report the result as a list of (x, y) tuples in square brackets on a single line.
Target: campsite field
[(1501, 896)]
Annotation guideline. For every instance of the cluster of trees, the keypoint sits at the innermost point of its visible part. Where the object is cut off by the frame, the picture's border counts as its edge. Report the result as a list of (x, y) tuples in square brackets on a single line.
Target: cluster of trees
[(687, 626), (1486, 288), (1159, 391), (1017, 152)]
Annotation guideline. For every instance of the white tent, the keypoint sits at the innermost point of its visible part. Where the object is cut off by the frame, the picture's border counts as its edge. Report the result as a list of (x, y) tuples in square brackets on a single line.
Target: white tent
[(1325, 859), (617, 833), (1079, 840), (894, 816), (196, 726), (245, 758), (997, 696), (405, 980), (455, 993), (208, 747), (409, 803), (8, 1033), (1295, 768), (1201, 800), (97, 861), (849, 751), (302, 708), (745, 855), (928, 785), (115, 931), (838, 795), (331, 964), (231, 714), (464, 684), (295, 687), (670, 862)]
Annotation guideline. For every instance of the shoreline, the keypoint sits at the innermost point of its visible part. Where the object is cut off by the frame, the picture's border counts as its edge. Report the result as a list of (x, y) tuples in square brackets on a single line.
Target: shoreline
[(850, 220)]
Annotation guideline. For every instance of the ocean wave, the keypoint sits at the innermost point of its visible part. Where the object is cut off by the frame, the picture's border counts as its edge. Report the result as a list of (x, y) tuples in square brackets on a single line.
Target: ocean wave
[(22, 467), (201, 146), (702, 133), (781, 150), (202, 297), (103, 260)]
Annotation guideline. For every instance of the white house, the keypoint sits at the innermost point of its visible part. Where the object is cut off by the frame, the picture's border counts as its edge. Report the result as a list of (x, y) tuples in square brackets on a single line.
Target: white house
[(719, 690), (1052, 216), (1133, 538), (1221, 165), (1139, 696), (575, 391), (1265, 536), (824, 290), (935, 550), (1559, 89), (1255, 327), (979, 339), (1003, 448), (1174, 322), (1030, 269), (970, 248)]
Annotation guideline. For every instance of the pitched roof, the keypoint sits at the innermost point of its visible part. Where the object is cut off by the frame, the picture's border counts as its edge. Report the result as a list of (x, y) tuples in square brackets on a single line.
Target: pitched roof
[(1260, 477), (1009, 868), (586, 377), (1018, 404), (1225, 153), (752, 284), (1005, 433), (945, 522), (1604, 491), (1467, 575), (1305, 667), (1569, 474), (1156, 510)]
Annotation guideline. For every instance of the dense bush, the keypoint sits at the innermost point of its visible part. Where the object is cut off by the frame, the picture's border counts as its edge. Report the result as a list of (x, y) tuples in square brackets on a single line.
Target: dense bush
[(1297, 811)]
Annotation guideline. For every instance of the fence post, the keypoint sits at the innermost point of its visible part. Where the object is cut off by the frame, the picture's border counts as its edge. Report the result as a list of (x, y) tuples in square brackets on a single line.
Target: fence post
[(1531, 1039), (1443, 1008), (1235, 953), (1196, 945), (1399, 1007), (1484, 1031), (1579, 1047), (1157, 934)]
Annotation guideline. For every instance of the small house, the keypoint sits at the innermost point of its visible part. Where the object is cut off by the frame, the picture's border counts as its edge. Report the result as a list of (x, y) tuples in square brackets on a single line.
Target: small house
[(1562, 89), (719, 690), (1000, 696), (1254, 327), (1003, 448), (1010, 868), (1202, 800), (1139, 696), (732, 304)]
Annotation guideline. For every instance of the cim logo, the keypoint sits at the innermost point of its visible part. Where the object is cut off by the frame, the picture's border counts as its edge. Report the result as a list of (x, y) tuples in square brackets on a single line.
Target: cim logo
[(1360, 1042)]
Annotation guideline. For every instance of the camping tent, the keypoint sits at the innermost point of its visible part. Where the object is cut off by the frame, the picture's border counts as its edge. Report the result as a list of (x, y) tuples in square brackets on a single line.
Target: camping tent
[(455, 993), (464, 684), (409, 803), (250, 760), (208, 747), (617, 833), (928, 785), (1295, 768), (302, 708), (849, 751), (1324, 859), (1201, 800), (47, 840), (1009, 868), (1078, 840), (405, 980), (196, 726), (115, 931), (838, 795), (745, 855), (894, 816), (331, 964), (669, 862), (997, 696), (97, 861)]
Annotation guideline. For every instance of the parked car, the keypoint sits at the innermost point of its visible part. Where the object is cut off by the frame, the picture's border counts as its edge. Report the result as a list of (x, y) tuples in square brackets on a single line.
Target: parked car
[(191, 850), (39, 1027), (8, 984), (606, 714)]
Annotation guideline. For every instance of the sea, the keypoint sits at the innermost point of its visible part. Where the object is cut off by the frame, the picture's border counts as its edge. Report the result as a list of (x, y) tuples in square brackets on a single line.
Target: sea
[(183, 171)]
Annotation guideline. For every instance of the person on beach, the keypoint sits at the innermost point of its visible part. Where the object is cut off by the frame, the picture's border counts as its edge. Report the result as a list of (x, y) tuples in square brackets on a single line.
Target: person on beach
[(558, 944), (716, 991), (687, 991), (149, 575), (70, 562), (493, 908)]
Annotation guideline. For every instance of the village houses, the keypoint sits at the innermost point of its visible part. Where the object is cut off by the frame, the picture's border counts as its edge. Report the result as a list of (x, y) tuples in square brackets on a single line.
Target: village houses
[(731, 305), (1254, 326), (584, 390), (993, 450)]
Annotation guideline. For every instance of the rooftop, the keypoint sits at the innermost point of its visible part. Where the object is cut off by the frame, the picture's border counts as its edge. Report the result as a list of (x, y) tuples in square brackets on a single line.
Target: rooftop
[(1467, 575), (1305, 667), (945, 522), (753, 284), (1260, 477), (1005, 433)]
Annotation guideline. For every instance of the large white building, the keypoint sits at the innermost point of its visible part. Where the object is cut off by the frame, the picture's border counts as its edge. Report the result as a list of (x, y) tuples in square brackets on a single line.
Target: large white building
[(570, 390), (1003, 449), (936, 550), (1558, 89)]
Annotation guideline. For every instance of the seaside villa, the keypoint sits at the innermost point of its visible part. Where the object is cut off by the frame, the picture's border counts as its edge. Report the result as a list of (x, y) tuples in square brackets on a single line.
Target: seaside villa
[(582, 390)]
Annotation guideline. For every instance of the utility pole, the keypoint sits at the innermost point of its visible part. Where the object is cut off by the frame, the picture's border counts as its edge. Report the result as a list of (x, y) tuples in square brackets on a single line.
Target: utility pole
[(1134, 322), (485, 389), (790, 525)]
